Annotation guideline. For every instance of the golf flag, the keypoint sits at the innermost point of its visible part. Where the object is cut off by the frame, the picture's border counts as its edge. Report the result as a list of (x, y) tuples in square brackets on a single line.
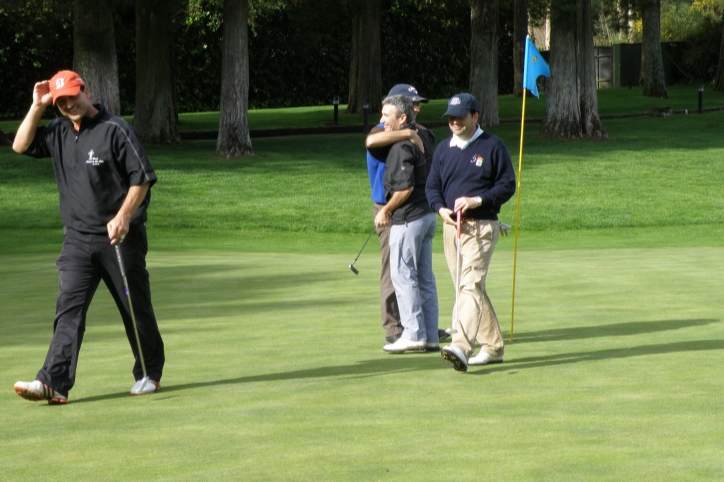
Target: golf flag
[(534, 67)]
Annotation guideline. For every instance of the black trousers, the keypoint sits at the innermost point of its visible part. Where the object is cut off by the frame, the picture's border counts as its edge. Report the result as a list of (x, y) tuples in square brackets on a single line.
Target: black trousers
[(85, 260)]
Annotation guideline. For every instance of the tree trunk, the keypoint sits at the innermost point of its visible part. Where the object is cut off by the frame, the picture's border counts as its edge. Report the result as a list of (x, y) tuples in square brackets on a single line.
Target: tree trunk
[(590, 121), (563, 116), (484, 59), (365, 71), (652, 64), (94, 51), (234, 139), (719, 81), (520, 27), (156, 113)]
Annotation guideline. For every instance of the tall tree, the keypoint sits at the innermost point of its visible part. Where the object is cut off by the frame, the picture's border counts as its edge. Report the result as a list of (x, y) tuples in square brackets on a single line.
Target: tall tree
[(590, 120), (156, 115), (563, 115), (94, 51), (652, 64), (484, 59), (365, 71), (520, 32), (233, 138), (719, 81)]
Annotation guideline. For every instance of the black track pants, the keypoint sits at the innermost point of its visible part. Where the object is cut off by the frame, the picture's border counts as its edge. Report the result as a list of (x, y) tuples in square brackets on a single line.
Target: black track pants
[(85, 260)]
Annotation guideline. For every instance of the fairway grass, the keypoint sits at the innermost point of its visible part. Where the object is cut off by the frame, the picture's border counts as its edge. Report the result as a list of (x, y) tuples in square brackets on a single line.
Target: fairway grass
[(275, 372)]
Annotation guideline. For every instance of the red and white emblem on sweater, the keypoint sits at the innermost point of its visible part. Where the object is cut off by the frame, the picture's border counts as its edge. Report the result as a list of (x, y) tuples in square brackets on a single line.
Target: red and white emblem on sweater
[(477, 160)]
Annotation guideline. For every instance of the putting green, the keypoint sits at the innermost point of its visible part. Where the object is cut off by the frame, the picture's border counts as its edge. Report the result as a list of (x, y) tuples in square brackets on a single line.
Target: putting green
[(275, 372)]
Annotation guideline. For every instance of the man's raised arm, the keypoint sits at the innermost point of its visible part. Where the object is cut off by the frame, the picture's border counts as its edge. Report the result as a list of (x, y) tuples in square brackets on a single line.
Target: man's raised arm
[(26, 132), (386, 138)]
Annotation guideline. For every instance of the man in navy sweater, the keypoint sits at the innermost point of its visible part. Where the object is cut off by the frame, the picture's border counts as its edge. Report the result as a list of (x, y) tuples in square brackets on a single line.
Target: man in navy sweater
[(471, 173)]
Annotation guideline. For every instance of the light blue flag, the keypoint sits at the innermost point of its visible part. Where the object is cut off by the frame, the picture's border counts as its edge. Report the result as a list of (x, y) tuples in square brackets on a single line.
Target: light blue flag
[(534, 67)]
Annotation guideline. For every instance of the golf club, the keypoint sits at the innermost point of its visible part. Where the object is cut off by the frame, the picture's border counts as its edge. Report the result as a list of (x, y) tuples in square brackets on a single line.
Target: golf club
[(457, 276), (141, 384), (351, 266)]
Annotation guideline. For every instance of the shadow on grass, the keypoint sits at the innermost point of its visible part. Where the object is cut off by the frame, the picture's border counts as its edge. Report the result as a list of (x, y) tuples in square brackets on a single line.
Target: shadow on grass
[(616, 329), (585, 356), (365, 369)]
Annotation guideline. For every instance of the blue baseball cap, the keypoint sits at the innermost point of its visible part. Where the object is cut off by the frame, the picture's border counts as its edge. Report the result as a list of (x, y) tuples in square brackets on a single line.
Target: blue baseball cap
[(408, 91), (460, 105)]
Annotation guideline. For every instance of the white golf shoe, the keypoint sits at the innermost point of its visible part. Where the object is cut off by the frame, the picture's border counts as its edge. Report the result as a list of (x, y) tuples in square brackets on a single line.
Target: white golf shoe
[(484, 358), (455, 356), (402, 345), (145, 386), (37, 390)]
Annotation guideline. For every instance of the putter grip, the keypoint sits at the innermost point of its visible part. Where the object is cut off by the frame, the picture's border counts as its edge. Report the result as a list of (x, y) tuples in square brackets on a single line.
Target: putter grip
[(457, 224), (120, 261)]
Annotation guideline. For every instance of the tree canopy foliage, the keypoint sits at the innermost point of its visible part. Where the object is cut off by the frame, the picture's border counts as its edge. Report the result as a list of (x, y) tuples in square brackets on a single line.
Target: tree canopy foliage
[(299, 51)]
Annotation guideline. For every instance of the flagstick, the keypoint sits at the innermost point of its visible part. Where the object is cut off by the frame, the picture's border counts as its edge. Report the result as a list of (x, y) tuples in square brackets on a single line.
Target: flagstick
[(517, 199)]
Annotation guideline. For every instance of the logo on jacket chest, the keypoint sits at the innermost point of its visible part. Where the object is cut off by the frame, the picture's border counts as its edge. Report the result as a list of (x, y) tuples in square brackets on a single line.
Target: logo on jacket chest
[(477, 160), (92, 160)]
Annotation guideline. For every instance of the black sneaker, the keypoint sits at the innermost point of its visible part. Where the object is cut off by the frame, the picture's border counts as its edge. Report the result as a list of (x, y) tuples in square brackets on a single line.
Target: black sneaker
[(443, 335), (432, 347)]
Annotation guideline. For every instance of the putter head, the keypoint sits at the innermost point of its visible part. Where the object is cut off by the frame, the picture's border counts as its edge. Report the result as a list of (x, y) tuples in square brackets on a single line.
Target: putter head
[(354, 270)]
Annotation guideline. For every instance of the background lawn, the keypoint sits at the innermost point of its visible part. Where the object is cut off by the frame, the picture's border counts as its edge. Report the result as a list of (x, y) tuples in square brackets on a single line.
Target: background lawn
[(274, 363), (612, 102)]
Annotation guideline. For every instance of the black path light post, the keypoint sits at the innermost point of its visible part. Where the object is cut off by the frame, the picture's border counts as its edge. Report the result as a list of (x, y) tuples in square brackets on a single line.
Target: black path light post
[(366, 112), (701, 99), (335, 101)]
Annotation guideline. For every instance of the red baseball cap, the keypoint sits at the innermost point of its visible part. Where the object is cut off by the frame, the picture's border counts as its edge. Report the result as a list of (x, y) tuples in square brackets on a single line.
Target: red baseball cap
[(65, 82)]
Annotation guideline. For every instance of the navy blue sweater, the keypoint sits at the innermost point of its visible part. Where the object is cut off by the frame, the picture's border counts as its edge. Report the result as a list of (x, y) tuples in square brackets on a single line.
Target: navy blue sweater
[(482, 169)]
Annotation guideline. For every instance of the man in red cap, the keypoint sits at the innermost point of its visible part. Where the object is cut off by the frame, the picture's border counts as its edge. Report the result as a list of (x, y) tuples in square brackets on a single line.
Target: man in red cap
[(104, 180)]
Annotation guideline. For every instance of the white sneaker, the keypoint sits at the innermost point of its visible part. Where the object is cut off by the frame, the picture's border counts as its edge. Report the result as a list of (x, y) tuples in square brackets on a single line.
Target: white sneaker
[(402, 345), (145, 386), (37, 390), (484, 358), (455, 356)]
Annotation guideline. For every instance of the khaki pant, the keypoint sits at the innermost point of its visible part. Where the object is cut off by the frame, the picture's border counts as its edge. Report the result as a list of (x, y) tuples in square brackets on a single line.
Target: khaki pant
[(476, 317), (388, 300)]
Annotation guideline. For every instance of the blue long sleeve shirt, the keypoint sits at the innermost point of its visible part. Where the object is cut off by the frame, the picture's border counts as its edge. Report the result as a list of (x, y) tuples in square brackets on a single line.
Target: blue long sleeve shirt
[(376, 173)]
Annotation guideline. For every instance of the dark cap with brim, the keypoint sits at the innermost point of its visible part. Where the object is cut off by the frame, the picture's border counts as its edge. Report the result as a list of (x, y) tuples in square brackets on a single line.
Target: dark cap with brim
[(460, 105), (408, 91)]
